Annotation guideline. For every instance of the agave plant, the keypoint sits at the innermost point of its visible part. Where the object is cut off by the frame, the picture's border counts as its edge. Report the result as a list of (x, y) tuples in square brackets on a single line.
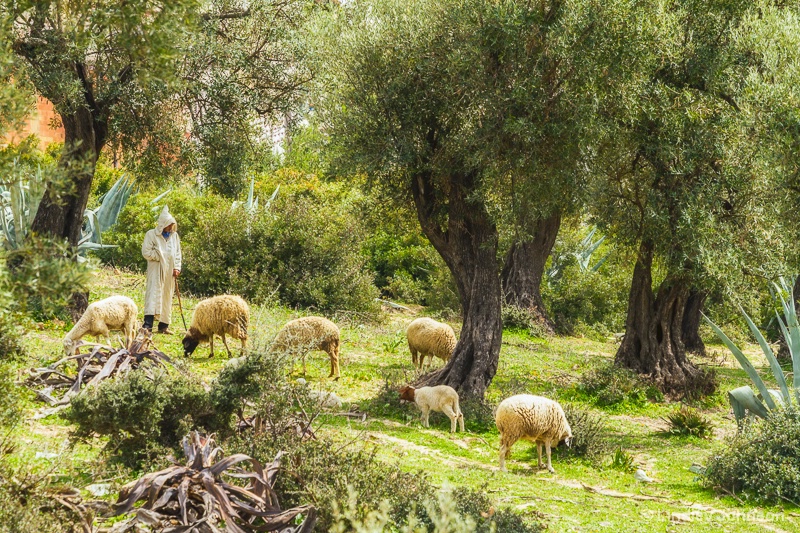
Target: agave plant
[(201, 494), (19, 201), (745, 399), (583, 256), (106, 215)]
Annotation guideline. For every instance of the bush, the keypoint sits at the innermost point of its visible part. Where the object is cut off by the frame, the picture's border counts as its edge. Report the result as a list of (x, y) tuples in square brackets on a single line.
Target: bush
[(140, 414), (762, 462), (612, 385), (306, 250), (589, 434), (139, 216), (515, 317), (688, 421), (10, 334)]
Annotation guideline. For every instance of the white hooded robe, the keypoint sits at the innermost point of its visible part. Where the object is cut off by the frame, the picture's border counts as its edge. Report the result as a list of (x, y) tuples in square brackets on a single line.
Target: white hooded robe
[(163, 256)]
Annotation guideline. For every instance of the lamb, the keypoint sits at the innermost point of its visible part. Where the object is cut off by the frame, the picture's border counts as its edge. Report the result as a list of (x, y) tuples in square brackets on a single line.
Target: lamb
[(301, 335), (531, 418), (219, 315), (430, 338), (441, 398), (115, 313)]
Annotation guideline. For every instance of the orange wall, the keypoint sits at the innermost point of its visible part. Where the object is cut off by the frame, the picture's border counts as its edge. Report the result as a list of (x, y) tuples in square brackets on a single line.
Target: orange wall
[(39, 124)]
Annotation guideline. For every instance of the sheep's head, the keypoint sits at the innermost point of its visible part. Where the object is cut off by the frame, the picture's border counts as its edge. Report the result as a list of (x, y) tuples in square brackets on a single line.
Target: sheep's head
[(190, 342), (71, 347), (407, 393)]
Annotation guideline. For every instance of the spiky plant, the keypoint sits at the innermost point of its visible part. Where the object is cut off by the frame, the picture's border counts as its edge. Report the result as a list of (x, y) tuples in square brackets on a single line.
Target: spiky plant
[(688, 421), (203, 494), (744, 399)]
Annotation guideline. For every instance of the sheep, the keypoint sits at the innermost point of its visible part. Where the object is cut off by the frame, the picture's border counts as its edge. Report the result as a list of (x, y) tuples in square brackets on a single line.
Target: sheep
[(115, 313), (299, 336), (531, 418), (219, 315), (441, 398), (428, 338)]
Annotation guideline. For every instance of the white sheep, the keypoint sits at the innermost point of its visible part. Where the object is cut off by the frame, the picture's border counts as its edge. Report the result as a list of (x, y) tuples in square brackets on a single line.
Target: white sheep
[(115, 313), (430, 338), (440, 398), (301, 335), (219, 315), (532, 418)]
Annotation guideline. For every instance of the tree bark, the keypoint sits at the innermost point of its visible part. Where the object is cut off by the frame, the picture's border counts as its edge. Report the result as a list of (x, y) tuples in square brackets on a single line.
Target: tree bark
[(60, 215), (468, 245), (653, 342), (524, 268), (690, 327)]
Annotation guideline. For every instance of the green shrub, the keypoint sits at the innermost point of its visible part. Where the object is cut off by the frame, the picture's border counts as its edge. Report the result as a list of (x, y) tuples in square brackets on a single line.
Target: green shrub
[(689, 421), (762, 462), (141, 415), (139, 216), (622, 461), (519, 318), (612, 385), (306, 250), (589, 434)]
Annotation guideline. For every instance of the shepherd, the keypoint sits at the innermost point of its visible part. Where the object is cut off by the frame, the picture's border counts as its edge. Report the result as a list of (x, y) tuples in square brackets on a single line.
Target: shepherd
[(162, 249)]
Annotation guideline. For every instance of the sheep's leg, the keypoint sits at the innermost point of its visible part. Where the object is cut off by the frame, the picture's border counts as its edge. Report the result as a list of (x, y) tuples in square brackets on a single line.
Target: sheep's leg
[(244, 345), (334, 355), (425, 413), (414, 357), (452, 416), (505, 451), (225, 342), (461, 420), (539, 450), (549, 464), (211, 342)]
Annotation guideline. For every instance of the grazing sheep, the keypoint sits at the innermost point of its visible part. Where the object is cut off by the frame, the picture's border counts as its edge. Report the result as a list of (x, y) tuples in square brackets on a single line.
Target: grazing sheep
[(531, 418), (428, 338), (301, 335), (115, 313), (441, 398), (220, 315)]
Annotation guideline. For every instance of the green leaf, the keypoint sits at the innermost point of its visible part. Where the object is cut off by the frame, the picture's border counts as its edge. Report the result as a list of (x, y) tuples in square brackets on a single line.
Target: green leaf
[(777, 371), (744, 399), (744, 362)]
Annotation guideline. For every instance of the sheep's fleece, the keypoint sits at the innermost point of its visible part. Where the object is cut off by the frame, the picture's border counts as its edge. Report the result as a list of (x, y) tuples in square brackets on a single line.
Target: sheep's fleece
[(115, 313), (163, 256), (440, 398), (430, 338), (301, 335), (533, 418), (219, 315)]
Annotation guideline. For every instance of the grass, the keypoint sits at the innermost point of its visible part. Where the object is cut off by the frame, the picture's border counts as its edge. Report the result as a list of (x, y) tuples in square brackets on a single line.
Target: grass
[(371, 354)]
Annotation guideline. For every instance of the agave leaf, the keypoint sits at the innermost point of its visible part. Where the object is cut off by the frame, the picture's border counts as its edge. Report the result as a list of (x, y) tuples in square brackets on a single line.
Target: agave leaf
[(744, 362), (744, 399), (271, 198), (160, 197), (777, 371), (600, 263)]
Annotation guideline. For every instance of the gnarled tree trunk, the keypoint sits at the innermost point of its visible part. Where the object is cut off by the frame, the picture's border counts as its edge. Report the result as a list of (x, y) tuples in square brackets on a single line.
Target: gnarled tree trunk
[(467, 242), (61, 215), (524, 268), (690, 326), (653, 342)]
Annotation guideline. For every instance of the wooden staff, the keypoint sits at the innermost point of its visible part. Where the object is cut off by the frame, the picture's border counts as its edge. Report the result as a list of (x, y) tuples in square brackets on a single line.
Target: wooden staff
[(180, 305)]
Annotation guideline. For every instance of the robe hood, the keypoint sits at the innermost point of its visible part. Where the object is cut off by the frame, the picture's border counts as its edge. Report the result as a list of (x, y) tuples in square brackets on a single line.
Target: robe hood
[(164, 220)]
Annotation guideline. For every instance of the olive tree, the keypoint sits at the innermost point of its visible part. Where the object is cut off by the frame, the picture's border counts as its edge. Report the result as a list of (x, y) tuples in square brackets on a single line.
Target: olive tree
[(684, 177), (474, 112), (141, 75)]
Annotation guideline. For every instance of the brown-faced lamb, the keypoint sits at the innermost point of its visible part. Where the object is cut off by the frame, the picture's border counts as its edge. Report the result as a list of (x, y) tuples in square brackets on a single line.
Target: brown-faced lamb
[(219, 315), (440, 398), (115, 313), (532, 418), (428, 337), (301, 335)]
